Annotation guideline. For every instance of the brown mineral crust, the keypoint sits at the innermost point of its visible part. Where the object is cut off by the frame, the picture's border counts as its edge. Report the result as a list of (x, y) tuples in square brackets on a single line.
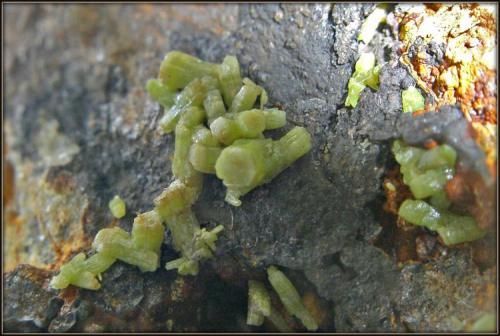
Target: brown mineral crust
[(483, 98), (69, 295), (447, 61), (401, 191), (397, 236), (62, 182), (318, 310), (439, 69), (400, 240), (8, 177), (486, 292), (469, 194)]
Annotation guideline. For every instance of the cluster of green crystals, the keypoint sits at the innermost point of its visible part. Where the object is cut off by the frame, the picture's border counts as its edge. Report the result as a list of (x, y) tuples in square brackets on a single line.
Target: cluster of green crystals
[(218, 130), (211, 109), (140, 248), (426, 173), (365, 74), (259, 302)]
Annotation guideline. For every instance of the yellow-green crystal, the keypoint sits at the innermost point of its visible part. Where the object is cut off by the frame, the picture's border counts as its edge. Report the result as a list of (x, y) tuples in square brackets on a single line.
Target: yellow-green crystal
[(117, 207), (290, 297)]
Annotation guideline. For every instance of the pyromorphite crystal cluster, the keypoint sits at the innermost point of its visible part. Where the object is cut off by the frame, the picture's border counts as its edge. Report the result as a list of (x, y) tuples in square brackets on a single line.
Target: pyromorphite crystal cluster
[(82, 272), (426, 173), (259, 302), (141, 248), (365, 74), (260, 307), (218, 130)]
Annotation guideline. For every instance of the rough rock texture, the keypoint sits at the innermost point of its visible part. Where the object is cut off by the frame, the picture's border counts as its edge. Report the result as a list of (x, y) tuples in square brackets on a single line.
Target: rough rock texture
[(32, 308), (86, 66)]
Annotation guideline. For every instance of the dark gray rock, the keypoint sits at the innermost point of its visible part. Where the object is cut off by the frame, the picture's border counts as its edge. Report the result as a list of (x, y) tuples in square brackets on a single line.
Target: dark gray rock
[(30, 305)]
